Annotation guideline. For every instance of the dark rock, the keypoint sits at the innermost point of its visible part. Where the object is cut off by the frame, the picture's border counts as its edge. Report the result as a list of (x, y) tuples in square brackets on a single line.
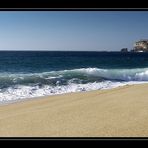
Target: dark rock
[(124, 50)]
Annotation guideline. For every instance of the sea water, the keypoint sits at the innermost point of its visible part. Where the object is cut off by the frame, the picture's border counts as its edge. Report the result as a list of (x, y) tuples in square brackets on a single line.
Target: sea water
[(27, 74)]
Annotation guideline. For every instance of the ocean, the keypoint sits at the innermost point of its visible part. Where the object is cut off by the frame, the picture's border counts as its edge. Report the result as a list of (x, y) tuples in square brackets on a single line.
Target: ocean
[(27, 74)]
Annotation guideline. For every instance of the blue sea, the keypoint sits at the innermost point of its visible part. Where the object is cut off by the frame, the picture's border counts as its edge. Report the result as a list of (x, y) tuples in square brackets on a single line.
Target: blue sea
[(27, 74)]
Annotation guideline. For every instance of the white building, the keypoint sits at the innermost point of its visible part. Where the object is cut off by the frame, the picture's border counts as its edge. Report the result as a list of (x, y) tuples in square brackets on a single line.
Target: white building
[(141, 45)]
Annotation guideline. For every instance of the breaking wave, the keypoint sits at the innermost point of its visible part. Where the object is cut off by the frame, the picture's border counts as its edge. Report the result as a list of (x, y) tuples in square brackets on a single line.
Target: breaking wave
[(15, 86), (137, 74)]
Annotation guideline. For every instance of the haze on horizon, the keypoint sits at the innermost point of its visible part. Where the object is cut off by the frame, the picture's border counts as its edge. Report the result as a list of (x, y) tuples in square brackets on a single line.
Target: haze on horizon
[(72, 30)]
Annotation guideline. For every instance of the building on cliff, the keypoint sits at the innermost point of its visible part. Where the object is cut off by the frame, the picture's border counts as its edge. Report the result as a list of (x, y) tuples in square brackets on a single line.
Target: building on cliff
[(141, 46)]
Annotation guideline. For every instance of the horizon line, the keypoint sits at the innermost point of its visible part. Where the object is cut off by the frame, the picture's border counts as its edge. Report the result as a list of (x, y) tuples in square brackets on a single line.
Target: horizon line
[(60, 50)]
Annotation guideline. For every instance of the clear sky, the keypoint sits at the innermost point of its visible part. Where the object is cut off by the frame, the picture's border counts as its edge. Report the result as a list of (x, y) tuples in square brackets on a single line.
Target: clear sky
[(72, 30)]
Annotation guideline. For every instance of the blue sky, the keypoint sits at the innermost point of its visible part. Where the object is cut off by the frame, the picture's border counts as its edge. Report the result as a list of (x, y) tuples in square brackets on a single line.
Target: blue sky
[(72, 30)]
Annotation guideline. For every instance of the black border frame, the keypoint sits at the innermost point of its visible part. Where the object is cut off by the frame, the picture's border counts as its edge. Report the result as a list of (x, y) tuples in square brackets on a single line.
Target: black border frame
[(42, 141)]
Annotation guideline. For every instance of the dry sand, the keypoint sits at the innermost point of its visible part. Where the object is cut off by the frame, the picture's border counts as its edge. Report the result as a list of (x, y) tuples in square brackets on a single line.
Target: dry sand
[(122, 111)]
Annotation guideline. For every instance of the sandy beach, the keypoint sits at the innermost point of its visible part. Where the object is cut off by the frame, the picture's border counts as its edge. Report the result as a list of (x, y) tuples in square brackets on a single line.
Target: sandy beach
[(119, 112)]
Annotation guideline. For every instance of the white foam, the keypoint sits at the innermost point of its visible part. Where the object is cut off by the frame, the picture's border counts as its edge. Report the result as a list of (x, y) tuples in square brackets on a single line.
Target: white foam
[(22, 92)]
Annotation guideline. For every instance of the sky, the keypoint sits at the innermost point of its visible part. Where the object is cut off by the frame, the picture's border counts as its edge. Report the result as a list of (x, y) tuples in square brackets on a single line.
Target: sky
[(72, 30)]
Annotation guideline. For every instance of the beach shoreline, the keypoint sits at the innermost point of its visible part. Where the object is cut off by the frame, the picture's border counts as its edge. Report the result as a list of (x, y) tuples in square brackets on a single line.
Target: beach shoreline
[(118, 112)]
